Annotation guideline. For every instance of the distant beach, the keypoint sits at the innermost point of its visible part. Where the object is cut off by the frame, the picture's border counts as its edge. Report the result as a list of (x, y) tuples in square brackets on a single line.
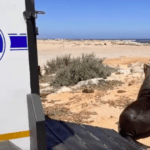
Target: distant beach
[(138, 40), (146, 41), (49, 49)]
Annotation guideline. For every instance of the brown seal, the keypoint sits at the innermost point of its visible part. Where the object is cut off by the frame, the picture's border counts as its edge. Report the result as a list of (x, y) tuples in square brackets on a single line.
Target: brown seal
[(134, 121)]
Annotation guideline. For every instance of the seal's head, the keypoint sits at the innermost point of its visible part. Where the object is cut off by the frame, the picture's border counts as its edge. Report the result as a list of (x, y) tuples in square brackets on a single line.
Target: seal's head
[(147, 69)]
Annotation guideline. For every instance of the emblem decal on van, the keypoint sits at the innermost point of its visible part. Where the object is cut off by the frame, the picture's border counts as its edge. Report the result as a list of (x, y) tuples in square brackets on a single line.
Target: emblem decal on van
[(2, 45), (18, 42)]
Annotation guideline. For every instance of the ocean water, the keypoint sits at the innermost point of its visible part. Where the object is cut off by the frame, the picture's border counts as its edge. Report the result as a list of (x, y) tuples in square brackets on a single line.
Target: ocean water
[(135, 40), (143, 40)]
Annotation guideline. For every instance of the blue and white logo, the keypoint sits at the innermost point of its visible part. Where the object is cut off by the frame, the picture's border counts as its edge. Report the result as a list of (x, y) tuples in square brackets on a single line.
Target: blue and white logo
[(18, 42), (2, 45)]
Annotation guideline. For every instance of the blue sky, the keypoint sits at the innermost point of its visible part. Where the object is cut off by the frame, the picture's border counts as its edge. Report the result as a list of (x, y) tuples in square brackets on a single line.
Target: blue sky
[(94, 19)]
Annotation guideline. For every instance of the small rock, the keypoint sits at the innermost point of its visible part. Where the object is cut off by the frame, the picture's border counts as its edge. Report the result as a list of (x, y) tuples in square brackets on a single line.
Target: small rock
[(88, 91), (84, 105), (131, 82), (64, 89), (136, 70), (43, 95), (44, 85), (75, 87), (121, 91), (82, 83), (51, 101), (90, 81), (43, 72), (135, 64), (51, 94), (52, 75), (47, 89), (43, 99), (123, 71), (120, 71), (94, 81)]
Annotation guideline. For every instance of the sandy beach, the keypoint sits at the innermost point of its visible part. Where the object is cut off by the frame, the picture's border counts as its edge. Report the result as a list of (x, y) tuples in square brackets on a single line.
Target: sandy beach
[(49, 49), (107, 114)]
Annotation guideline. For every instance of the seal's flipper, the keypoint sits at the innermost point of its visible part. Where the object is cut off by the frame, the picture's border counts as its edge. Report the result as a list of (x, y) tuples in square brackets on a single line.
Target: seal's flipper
[(137, 144)]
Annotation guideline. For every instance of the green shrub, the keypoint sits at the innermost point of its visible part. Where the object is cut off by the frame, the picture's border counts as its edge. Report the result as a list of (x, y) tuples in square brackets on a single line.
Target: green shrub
[(79, 69), (58, 63)]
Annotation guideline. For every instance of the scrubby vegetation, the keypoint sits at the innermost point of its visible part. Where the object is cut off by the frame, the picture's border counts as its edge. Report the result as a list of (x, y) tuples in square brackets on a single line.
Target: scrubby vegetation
[(69, 71)]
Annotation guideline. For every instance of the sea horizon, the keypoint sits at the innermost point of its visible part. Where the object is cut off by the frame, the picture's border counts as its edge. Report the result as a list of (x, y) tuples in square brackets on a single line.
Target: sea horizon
[(75, 39)]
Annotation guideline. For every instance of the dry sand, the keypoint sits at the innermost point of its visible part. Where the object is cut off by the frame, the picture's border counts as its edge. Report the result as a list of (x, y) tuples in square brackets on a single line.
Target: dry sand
[(49, 49), (104, 107)]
